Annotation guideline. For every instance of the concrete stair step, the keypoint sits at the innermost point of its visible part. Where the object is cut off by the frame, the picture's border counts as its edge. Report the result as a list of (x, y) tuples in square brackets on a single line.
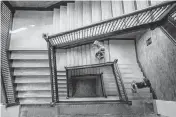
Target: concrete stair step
[(31, 71), (46, 100), (30, 63), (130, 80), (62, 90), (32, 54), (61, 78), (62, 85), (128, 66), (144, 90), (61, 81), (62, 93), (31, 87), (135, 72), (61, 73), (132, 75), (19, 80), (139, 96), (27, 94)]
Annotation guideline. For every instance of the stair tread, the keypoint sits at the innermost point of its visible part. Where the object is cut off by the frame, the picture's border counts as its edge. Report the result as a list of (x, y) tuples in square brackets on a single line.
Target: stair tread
[(37, 86), (29, 54), (34, 94), (31, 71), (115, 98), (29, 64), (35, 100), (32, 80)]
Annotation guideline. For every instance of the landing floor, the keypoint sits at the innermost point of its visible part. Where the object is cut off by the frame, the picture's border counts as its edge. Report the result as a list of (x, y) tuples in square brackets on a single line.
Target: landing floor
[(90, 99)]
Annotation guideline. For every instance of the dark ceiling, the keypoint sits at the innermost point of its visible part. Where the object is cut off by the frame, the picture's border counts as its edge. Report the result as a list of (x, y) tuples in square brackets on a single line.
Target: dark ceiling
[(27, 5)]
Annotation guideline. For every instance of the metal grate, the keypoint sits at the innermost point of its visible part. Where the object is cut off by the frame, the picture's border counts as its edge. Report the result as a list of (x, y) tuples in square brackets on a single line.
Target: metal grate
[(6, 22), (141, 18)]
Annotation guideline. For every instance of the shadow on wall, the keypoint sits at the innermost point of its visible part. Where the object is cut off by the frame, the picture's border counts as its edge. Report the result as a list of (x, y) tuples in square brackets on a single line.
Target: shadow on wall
[(158, 60)]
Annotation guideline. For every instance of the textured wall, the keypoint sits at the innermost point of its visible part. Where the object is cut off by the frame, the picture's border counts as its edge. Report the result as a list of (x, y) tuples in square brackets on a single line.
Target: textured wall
[(27, 30), (159, 63)]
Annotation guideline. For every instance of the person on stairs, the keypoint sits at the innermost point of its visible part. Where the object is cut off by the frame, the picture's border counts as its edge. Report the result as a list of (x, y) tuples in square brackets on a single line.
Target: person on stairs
[(101, 50), (139, 85)]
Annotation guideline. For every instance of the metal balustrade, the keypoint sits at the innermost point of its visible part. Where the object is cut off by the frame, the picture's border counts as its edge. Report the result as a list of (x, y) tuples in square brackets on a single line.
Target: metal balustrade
[(119, 81), (6, 80), (95, 69), (141, 18)]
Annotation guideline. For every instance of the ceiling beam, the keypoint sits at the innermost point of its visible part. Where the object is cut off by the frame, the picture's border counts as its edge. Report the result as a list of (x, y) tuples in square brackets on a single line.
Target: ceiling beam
[(7, 3), (58, 4)]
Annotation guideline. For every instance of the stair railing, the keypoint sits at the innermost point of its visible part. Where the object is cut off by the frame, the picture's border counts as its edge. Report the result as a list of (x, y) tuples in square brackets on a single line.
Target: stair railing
[(144, 18), (119, 82), (53, 72)]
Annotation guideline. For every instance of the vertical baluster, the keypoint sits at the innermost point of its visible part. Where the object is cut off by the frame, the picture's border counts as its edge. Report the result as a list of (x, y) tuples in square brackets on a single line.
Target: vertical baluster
[(147, 16), (104, 27), (110, 26), (80, 34), (56, 39), (121, 25), (69, 37), (128, 21), (113, 25), (61, 39), (144, 17), (101, 28), (160, 13), (91, 31), (76, 33), (72, 36), (135, 21), (83, 32)]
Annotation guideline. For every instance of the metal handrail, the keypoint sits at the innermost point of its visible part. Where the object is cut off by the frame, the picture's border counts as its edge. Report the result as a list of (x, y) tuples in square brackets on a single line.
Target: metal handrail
[(145, 16), (122, 92)]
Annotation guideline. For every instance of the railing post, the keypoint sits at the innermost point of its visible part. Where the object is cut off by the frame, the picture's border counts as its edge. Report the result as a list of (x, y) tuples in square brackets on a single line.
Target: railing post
[(102, 85), (121, 81), (53, 72), (67, 83), (118, 88)]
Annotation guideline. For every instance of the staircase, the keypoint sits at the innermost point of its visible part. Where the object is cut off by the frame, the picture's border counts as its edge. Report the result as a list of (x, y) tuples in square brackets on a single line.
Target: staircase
[(31, 71), (31, 76)]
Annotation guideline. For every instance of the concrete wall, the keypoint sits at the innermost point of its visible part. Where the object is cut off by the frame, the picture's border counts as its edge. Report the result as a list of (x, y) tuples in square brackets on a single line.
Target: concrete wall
[(159, 63), (32, 25), (165, 108), (9, 111), (123, 50)]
